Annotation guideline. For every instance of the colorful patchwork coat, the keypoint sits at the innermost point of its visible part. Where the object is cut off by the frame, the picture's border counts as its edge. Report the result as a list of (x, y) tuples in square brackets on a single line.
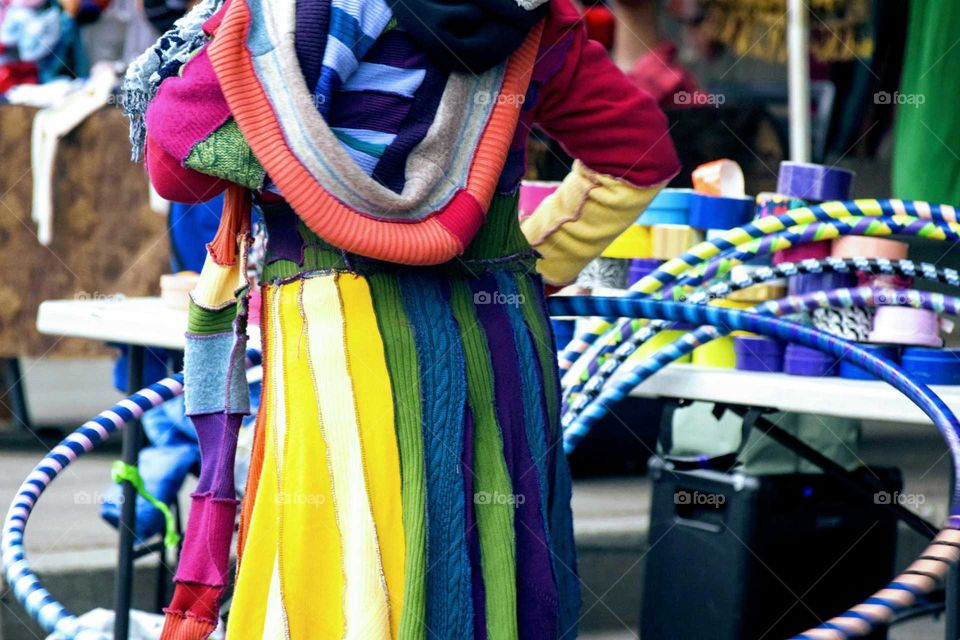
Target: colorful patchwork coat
[(407, 479)]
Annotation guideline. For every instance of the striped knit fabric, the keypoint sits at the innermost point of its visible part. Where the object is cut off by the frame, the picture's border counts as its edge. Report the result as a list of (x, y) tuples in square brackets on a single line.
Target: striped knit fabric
[(376, 88), (429, 474)]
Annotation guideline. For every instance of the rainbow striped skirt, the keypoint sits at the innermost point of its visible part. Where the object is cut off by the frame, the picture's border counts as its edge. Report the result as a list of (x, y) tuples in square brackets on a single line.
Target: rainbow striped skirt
[(408, 479)]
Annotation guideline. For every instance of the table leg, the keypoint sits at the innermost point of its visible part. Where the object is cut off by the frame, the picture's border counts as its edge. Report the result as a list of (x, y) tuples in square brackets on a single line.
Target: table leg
[(13, 381), (123, 587)]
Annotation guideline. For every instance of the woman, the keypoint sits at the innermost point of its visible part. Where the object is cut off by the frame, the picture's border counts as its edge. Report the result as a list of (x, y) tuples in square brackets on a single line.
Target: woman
[(407, 479)]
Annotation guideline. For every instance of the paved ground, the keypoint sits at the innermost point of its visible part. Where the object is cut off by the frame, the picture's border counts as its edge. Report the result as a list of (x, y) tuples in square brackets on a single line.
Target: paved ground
[(73, 550)]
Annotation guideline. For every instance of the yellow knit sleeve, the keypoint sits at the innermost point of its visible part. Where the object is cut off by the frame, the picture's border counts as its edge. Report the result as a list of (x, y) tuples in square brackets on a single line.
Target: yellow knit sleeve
[(575, 224)]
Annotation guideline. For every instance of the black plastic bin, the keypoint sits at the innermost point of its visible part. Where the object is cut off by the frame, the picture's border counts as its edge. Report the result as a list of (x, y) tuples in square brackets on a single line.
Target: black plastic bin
[(738, 557)]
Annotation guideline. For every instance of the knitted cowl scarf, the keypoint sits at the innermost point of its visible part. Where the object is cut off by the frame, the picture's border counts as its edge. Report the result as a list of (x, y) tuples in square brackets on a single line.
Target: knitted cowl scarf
[(451, 173)]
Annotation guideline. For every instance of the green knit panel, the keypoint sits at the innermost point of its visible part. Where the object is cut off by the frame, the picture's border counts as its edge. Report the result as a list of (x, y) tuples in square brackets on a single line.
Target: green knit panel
[(226, 154), (495, 522), (538, 323), (205, 321), (500, 233), (401, 356)]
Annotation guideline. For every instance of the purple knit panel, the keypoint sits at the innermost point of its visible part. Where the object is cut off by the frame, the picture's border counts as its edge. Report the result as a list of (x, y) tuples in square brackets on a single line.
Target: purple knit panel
[(217, 433), (284, 241), (310, 38), (537, 604), (352, 109)]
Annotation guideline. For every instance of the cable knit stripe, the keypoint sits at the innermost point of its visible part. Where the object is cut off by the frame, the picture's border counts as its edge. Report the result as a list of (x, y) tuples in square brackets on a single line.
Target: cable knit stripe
[(378, 438), (491, 478), (401, 357), (443, 400), (308, 519), (365, 606)]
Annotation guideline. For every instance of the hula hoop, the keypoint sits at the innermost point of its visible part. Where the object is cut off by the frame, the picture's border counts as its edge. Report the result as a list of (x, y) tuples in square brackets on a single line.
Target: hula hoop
[(704, 251), (730, 256), (794, 236), (50, 614), (790, 305), (924, 574), (602, 361)]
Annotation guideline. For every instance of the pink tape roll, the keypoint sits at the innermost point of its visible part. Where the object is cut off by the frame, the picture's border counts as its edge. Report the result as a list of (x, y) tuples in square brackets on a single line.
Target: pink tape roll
[(865, 247), (814, 250), (906, 325), (532, 193)]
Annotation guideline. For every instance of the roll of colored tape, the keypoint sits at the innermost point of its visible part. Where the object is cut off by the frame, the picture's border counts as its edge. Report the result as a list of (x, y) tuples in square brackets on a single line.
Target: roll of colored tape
[(670, 240), (932, 366), (640, 268), (809, 251), (714, 212), (827, 281), (815, 182), (803, 361), (673, 199), (719, 354), (632, 243), (532, 193), (853, 372), (869, 247), (906, 326), (719, 178), (760, 293), (758, 354), (670, 206)]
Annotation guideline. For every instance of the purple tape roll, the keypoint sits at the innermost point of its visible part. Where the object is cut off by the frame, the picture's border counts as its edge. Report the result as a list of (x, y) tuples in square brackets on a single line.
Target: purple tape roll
[(640, 268), (756, 353), (814, 181), (827, 281), (803, 361)]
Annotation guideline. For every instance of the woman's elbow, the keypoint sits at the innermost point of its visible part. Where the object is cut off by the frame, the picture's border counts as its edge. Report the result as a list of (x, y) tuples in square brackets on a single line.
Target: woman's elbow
[(177, 183)]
